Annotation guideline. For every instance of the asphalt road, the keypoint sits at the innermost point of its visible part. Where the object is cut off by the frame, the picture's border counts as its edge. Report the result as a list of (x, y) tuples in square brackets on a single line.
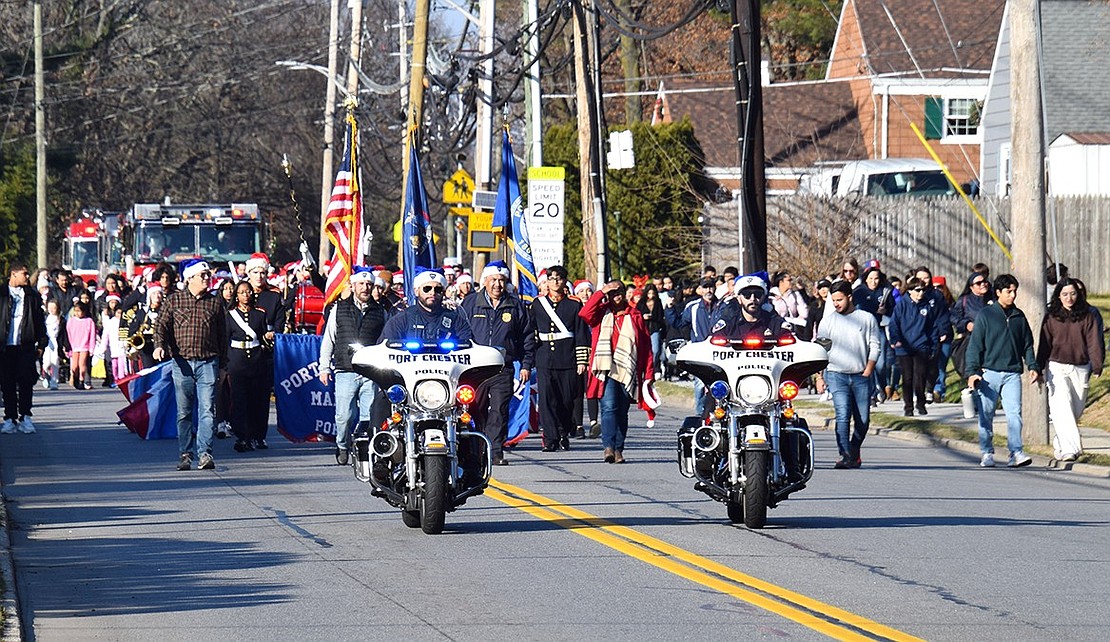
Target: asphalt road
[(110, 542)]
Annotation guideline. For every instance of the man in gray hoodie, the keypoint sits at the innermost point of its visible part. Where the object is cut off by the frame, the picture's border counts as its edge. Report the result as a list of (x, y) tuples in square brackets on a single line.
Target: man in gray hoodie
[(855, 349)]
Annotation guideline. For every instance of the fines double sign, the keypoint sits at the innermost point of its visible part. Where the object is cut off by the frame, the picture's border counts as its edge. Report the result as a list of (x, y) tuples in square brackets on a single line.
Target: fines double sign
[(545, 214)]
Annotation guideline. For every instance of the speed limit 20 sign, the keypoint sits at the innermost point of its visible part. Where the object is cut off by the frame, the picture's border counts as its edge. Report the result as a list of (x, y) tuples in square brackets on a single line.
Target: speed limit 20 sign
[(545, 214)]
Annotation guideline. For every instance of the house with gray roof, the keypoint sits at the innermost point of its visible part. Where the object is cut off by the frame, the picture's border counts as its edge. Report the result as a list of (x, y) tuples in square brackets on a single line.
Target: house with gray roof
[(1075, 72)]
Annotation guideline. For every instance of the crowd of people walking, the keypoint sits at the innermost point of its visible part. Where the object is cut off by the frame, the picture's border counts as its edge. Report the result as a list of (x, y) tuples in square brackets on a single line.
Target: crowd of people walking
[(594, 353)]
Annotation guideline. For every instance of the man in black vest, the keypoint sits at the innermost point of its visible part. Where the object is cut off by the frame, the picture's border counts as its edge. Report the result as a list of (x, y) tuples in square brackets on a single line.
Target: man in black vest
[(562, 352), (356, 321), (499, 319)]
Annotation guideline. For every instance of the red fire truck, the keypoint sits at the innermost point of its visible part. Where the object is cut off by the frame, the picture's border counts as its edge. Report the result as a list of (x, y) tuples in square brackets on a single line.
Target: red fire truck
[(218, 233), (91, 247)]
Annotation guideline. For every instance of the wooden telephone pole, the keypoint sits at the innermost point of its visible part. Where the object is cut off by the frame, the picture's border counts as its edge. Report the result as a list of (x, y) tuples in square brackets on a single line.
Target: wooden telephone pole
[(747, 60), (1027, 197)]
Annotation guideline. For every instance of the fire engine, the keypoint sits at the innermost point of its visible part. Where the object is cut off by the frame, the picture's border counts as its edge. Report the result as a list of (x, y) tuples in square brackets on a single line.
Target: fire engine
[(91, 247), (218, 233)]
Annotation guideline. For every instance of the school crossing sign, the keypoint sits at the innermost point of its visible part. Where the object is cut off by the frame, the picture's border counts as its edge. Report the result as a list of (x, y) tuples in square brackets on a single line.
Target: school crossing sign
[(546, 213)]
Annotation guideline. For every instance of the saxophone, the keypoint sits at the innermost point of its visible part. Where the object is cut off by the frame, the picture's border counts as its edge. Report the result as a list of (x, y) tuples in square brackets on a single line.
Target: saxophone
[(138, 340)]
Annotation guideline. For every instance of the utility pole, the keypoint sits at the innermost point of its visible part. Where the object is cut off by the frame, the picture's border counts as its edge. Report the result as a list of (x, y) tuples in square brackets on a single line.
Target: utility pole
[(630, 69), (597, 134), (356, 47), (532, 90), (329, 132), (1028, 196), (483, 142), (583, 109), (746, 60), (40, 141), (416, 104)]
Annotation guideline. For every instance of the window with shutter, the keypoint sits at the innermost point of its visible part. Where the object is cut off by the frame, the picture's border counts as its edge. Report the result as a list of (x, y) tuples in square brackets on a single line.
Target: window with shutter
[(934, 118)]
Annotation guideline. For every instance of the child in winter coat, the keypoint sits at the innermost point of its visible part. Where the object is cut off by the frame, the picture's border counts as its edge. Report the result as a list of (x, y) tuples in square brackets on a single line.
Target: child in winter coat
[(51, 356), (81, 330), (111, 347)]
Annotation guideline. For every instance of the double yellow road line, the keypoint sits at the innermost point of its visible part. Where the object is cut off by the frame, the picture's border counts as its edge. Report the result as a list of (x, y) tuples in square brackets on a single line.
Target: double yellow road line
[(823, 618)]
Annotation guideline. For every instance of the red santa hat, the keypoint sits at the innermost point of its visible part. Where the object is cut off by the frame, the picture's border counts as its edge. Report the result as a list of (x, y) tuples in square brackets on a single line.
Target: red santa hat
[(258, 260), (581, 283)]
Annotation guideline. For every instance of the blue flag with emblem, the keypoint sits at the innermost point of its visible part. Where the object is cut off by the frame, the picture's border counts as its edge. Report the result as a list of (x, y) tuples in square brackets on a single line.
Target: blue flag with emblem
[(420, 249), (508, 219)]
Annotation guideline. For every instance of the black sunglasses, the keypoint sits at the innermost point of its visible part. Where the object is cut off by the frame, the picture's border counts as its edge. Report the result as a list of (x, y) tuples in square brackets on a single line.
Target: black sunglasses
[(431, 288), (750, 294), (978, 283), (917, 289)]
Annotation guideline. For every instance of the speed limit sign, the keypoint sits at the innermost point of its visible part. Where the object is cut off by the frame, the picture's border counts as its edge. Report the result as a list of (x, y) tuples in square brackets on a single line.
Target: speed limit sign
[(545, 214)]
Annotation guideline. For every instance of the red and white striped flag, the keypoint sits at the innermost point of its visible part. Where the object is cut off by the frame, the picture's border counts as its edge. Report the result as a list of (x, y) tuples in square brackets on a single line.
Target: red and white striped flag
[(343, 223)]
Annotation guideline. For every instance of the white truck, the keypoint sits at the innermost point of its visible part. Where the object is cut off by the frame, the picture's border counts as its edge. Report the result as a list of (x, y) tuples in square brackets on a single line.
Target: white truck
[(882, 177)]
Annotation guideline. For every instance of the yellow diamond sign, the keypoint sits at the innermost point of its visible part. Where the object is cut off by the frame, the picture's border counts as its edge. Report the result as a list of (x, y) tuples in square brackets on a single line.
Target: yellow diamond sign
[(459, 189)]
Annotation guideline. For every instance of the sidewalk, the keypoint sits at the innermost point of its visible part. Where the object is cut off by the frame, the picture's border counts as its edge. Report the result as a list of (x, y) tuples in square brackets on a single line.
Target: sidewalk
[(1095, 441), (887, 420)]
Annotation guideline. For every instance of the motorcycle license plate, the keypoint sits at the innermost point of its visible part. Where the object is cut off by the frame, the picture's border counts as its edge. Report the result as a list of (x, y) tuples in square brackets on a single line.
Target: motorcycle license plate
[(435, 440), (755, 434)]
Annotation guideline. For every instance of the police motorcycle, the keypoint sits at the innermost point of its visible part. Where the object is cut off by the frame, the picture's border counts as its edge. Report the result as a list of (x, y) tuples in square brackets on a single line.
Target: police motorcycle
[(753, 451), (426, 458)]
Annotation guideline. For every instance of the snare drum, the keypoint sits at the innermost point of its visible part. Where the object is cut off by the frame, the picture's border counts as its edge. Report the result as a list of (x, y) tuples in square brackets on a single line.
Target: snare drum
[(308, 311)]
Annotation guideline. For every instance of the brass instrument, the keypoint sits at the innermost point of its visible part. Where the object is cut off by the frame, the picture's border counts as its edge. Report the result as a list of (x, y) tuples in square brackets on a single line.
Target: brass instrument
[(137, 341)]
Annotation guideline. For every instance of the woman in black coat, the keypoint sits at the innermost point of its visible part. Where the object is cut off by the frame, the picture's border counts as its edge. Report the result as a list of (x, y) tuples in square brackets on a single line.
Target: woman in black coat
[(249, 371)]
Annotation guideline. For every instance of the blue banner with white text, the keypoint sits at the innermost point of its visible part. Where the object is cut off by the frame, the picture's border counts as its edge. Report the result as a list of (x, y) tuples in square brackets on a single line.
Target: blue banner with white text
[(305, 406)]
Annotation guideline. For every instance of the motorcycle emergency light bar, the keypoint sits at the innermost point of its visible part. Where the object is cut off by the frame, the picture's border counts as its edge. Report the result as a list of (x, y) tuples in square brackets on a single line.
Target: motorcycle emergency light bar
[(788, 390), (417, 346), (395, 394), (753, 342), (465, 395)]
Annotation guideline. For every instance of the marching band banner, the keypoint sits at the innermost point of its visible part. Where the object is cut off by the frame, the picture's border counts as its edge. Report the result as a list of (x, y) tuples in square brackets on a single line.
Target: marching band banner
[(305, 407)]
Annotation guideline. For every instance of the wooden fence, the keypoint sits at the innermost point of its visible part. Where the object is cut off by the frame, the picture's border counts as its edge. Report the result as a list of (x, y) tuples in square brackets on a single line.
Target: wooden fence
[(811, 235)]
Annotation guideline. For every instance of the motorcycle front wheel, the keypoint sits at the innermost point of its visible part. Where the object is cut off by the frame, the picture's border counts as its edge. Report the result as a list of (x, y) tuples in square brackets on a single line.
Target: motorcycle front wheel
[(756, 489), (433, 505)]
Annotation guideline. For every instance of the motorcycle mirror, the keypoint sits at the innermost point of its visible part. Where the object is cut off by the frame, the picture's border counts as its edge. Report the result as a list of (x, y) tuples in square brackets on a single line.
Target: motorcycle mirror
[(824, 342)]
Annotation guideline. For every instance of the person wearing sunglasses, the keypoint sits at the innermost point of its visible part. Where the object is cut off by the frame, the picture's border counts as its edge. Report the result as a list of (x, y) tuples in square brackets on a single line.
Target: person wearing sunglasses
[(429, 320), (191, 330), (914, 330), (749, 314), (976, 295)]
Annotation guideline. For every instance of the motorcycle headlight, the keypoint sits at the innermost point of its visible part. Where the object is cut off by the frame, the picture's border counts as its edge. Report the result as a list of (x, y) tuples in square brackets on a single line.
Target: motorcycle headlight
[(754, 389), (430, 395)]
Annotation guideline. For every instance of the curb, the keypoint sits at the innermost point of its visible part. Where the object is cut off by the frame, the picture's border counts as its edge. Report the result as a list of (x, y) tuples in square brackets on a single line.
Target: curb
[(12, 630), (966, 447)]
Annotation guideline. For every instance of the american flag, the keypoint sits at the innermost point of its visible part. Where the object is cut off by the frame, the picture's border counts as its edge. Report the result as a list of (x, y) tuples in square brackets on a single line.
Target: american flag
[(343, 223)]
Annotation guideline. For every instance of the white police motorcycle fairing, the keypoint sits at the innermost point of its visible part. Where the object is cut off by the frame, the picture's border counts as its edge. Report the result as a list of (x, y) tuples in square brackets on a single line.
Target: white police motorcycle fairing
[(426, 458), (753, 451)]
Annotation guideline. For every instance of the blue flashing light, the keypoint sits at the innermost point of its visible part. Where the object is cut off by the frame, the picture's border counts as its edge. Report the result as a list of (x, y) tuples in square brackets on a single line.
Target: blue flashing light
[(413, 346), (395, 394), (719, 389), (448, 345)]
